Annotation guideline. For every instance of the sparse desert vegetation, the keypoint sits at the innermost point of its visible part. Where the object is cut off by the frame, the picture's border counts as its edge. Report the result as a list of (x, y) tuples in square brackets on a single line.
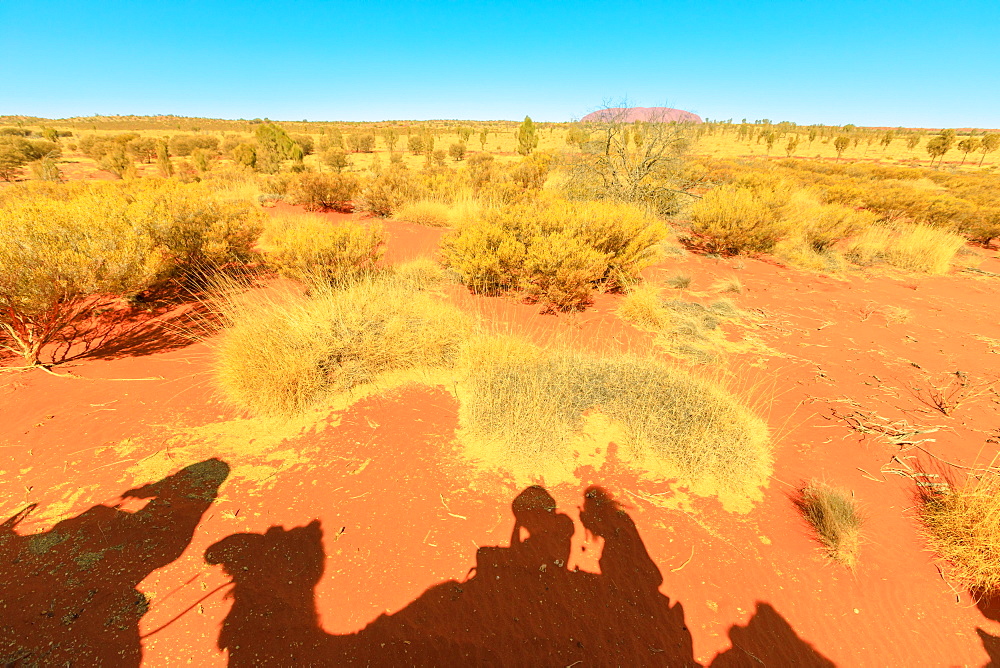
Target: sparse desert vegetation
[(472, 307)]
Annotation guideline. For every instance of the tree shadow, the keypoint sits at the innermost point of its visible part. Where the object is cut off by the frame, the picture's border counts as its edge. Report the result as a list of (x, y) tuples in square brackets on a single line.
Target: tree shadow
[(69, 596), (519, 606), (991, 644), (167, 319)]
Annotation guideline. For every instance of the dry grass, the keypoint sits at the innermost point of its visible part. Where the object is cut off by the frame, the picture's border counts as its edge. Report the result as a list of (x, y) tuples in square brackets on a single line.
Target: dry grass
[(725, 285), (916, 248), (680, 281), (425, 212), (835, 516), (282, 350), (526, 408), (963, 526), (643, 306)]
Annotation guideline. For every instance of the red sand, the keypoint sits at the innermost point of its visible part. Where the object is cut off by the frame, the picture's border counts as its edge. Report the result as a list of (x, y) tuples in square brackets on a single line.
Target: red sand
[(398, 514)]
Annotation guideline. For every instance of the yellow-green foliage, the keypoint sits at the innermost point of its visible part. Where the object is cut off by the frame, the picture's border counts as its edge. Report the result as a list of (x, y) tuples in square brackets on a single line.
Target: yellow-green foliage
[(523, 407), (425, 212), (911, 247), (282, 352), (557, 251), (389, 191), (643, 305), (311, 248), (834, 514), (64, 242), (822, 225), (963, 527), (738, 219), (323, 192)]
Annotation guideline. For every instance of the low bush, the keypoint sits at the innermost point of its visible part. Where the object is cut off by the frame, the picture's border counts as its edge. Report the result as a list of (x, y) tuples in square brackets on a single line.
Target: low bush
[(733, 220), (312, 249), (558, 252), (324, 192), (835, 516), (962, 524), (390, 191), (282, 352)]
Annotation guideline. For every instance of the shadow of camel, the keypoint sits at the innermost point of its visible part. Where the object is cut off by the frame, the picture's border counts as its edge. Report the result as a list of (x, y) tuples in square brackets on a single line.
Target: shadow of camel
[(521, 605), (68, 595)]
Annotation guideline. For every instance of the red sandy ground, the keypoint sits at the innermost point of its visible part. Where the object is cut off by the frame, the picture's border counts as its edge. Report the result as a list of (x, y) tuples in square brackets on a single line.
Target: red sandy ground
[(399, 516)]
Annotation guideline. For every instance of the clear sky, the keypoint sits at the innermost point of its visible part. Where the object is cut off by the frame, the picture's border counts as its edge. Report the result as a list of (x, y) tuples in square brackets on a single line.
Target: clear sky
[(899, 62)]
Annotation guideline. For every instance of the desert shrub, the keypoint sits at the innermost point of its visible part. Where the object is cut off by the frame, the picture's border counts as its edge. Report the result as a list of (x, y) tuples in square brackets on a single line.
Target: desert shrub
[(203, 232), (962, 524), (734, 219), (798, 252), (731, 284), (823, 225), (185, 145), (522, 407), (311, 248), (307, 347), (680, 281), (910, 247), (424, 212), (486, 256), (561, 271), (587, 245), (323, 192), (835, 516), (54, 253), (389, 191), (420, 273)]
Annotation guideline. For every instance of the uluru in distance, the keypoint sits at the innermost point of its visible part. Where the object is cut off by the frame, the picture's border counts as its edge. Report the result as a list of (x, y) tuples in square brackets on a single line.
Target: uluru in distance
[(631, 114)]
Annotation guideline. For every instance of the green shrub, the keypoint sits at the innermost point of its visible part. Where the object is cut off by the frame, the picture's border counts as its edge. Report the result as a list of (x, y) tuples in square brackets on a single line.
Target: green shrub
[(313, 249), (487, 257)]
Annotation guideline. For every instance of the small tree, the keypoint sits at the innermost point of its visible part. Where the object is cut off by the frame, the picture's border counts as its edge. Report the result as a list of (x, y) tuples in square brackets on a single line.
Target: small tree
[(50, 134), (483, 138), (336, 159), (967, 146), (527, 137), (793, 143), (415, 144), (118, 162), (840, 144), (988, 144), (769, 139), (163, 164), (886, 139), (912, 140), (390, 137), (937, 146), (457, 151), (464, 133), (243, 154)]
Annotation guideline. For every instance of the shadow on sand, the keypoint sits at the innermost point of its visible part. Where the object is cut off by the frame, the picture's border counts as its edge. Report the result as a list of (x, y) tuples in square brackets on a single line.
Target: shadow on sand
[(520, 606), (68, 596)]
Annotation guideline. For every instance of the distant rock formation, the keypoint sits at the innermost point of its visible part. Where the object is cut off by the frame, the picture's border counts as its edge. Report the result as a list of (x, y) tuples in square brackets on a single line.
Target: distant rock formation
[(662, 114)]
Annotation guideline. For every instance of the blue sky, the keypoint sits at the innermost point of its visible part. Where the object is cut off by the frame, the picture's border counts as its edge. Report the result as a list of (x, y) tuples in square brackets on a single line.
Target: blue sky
[(929, 64)]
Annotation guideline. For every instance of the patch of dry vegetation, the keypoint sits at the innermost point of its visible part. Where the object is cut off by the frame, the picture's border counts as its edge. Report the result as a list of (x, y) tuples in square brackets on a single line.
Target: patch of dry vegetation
[(835, 516), (528, 410), (962, 525)]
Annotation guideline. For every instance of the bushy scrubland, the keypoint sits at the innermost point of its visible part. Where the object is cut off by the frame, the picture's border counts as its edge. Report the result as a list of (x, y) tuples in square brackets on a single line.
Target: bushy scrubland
[(313, 250), (63, 244), (805, 211)]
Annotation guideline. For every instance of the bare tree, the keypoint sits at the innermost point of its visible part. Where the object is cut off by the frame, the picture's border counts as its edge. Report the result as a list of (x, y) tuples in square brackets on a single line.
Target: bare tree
[(632, 161)]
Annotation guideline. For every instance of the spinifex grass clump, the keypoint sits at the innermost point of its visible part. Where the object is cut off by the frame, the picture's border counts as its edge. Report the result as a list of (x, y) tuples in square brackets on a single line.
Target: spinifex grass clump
[(834, 514), (963, 527), (522, 407), (283, 351)]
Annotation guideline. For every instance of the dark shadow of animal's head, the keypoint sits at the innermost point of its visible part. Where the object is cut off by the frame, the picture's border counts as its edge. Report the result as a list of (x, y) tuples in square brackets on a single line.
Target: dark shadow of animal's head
[(283, 558)]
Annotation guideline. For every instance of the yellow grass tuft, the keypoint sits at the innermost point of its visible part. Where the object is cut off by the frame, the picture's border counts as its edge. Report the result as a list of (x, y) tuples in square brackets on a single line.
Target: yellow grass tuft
[(911, 247), (283, 351), (962, 525), (424, 212), (835, 516), (528, 410)]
